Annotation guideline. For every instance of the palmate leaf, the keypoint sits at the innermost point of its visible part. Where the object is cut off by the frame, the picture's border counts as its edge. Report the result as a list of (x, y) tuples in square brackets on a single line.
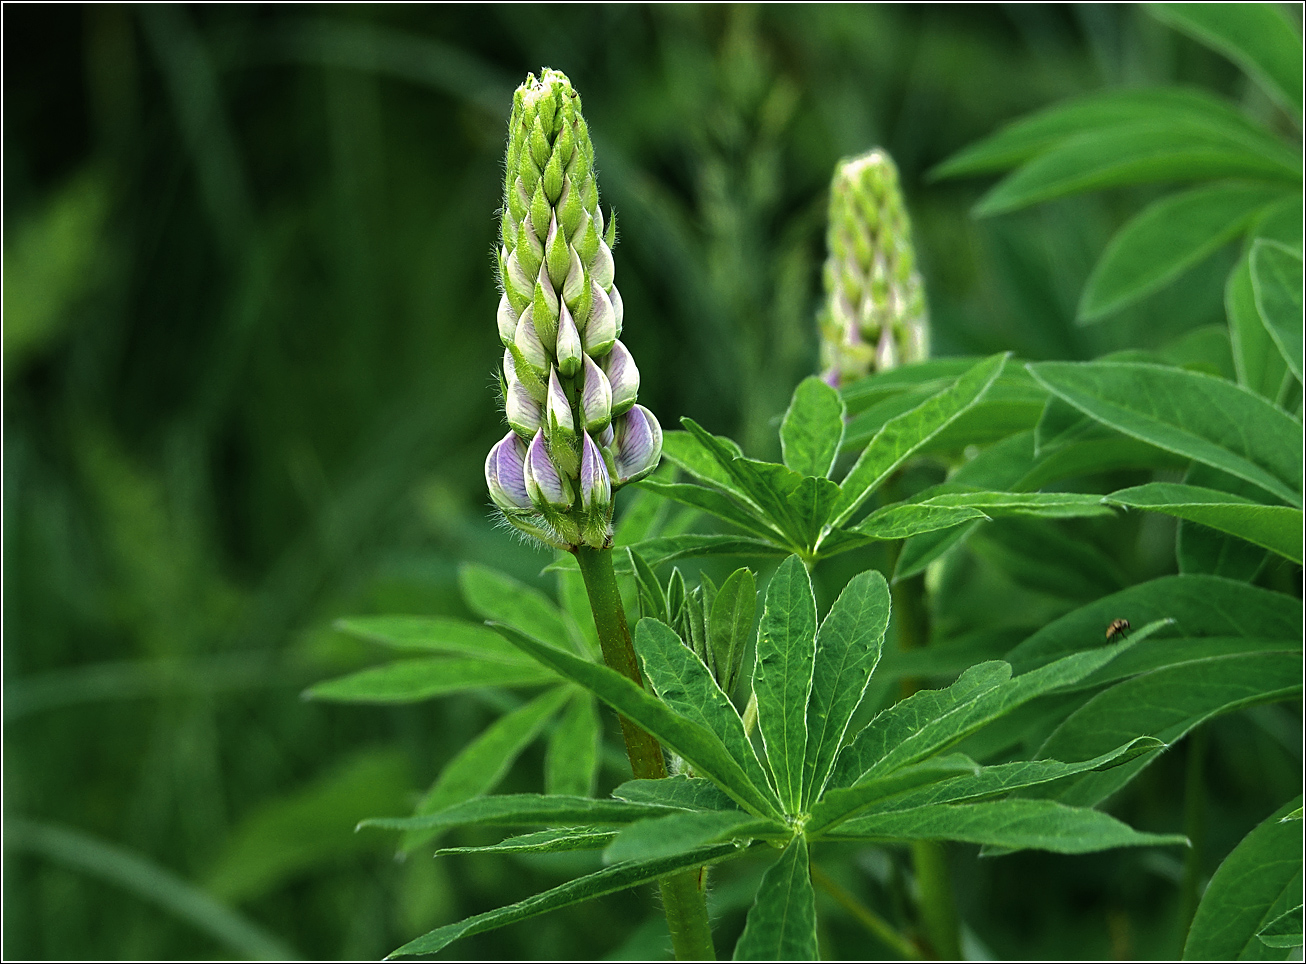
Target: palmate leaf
[(571, 763), (1201, 549), (493, 596), (1008, 824), (782, 676), (701, 747), (903, 436), (1167, 238), (1277, 289), (905, 519), (781, 925), (606, 881), (414, 680), (718, 503), (1194, 415), (812, 430), (1201, 606), (685, 685), (1030, 136), (432, 634), (678, 833), (1255, 36), (1275, 527), (1166, 703), (524, 810), (1256, 884), (680, 791), (730, 624), (566, 840)]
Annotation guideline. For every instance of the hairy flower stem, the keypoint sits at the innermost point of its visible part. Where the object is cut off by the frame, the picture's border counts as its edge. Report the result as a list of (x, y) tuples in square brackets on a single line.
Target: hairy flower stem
[(938, 908), (682, 897)]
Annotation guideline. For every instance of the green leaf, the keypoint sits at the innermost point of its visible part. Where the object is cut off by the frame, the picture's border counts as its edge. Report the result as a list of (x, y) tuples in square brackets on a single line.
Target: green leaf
[(1010, 824), (717, 503), (903, 436), (431, 634), (494, 596), (1277, 287), (685, 793), (730, 625), (685, 685), (672, 548), (895, 793), (523, 810), (1141, 153), (1255, 36), (1167, 238), (781, 924), (571, 764), (812, 429), (541, 842), (1258, 881), (782, 676), (1285, 930), (606, 881), (1030, 136), (1199, 549), (149, 881), (653, 600), (1165, 703), (480, 765), (1194, 415), (1257, 359), (1200, 605), (413, 680), (685, 451), (905, 519), (848, 647), (1275, 527), (677, 833), (702, 748)]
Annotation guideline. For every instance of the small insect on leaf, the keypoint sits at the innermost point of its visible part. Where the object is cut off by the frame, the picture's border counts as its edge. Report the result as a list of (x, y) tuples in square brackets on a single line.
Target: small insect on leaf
[(1117, 630)]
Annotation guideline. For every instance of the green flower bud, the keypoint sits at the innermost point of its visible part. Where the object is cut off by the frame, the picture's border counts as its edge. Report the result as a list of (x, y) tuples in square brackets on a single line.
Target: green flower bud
[(557, 255), (569, 351), (601, 326), (595, 398), (874, 317), (548, 488), (528, 345)]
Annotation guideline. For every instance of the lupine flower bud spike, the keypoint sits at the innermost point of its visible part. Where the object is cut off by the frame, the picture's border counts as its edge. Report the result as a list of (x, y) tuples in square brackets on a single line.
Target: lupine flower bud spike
[(569, 386), (874, 317)]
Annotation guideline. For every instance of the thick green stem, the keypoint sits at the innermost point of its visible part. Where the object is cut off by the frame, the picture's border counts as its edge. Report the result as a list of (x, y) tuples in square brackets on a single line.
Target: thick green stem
[(938, 907), (682, 893)]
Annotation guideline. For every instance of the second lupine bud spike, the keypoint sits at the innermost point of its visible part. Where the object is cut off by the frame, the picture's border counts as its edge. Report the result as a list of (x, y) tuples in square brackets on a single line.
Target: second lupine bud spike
[(565, 375), (874, 315)]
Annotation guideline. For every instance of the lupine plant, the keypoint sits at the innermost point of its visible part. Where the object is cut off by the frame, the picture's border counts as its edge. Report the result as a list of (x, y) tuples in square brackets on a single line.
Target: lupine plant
[(776, 734)]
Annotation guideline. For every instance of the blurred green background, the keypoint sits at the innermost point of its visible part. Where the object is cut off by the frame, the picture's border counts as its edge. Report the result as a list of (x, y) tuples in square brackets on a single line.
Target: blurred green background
[(248, 359)]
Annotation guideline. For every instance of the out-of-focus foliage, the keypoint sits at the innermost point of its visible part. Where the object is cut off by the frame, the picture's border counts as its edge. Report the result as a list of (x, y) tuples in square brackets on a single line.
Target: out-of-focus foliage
[(248, 345)]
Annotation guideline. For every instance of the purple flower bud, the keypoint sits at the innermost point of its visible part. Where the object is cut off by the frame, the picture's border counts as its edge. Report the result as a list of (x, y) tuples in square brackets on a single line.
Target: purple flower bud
[(517, 280), (569, 348), (505, 477), (522, 411), (528, 343), (507, 319), (618, 308), (637, 443), (595, 485), (623, 377), (560, 419), (606, 436), (547, 487), (595, 397), (602, 269), (601, 326)]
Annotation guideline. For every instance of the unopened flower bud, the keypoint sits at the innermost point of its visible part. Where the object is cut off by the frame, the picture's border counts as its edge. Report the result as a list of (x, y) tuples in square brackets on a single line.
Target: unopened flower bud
[(560, 420), (568, 348), (636, 445), (524, 413), (519, 288), (505, 477), (602, 269), (601, 325), (595, 485), (507, 320), (595, 397), (548, 489), (527, 342), (623, 378)]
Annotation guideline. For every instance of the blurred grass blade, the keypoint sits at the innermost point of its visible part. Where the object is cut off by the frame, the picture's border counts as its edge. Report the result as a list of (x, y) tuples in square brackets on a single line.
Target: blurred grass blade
[(571, 763), (903, 436), (1259, 880), (1009, 824), (481, 764), (781, 924), (1200, 606), (1142, 153), (1195, 415), (782, 676), (848, 647), (678, 833), (1255, 36), (702, 748), (1276, 284), (1274, 527), (147, 880), (812, 429), (685, 685), (414, 680), (434, 634), (607, 881), (1166, 239)]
